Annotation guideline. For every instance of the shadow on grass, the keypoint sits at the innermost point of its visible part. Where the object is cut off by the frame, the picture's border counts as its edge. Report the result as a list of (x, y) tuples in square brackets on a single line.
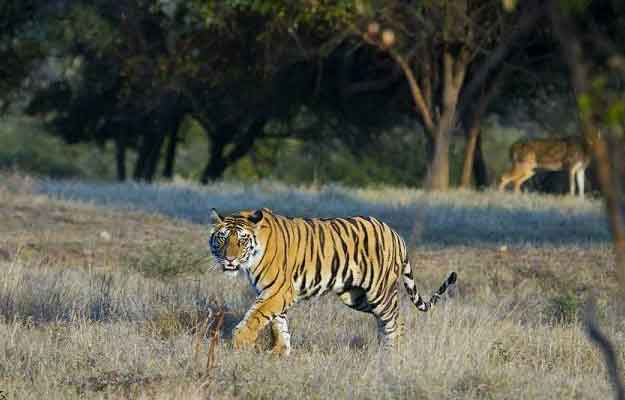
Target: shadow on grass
[(443, 221)]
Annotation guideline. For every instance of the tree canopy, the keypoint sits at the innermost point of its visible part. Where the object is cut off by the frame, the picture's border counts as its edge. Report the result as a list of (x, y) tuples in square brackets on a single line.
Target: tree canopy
[(248, 70)]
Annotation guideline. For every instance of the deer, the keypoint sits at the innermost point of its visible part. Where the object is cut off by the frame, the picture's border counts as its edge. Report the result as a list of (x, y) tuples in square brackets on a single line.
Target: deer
[(569, 153)]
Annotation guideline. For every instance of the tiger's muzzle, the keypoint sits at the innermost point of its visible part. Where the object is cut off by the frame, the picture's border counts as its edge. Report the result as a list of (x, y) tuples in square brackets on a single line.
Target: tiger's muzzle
[(230, 264)]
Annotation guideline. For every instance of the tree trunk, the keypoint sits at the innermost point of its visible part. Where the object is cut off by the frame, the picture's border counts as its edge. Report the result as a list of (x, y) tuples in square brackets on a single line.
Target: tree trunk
[(480, 171), (154, 156), (170, 155), (216, 165), (469, 156), (472, 114), (454, 70), (149, 155), (607, 151), (143, 152), (438, 171), (219, 161), (473, 164), (120, 156)]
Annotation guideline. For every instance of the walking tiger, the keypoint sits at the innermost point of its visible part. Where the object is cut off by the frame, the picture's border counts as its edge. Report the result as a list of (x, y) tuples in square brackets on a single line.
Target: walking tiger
[(290, 259)]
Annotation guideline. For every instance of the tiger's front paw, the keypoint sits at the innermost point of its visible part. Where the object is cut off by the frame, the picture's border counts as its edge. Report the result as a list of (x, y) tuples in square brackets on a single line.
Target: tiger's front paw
[(243, 338), (281, 350)]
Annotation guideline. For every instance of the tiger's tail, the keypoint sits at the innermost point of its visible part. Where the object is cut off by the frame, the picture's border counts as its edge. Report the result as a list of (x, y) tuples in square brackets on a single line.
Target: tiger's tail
[(417, 300)]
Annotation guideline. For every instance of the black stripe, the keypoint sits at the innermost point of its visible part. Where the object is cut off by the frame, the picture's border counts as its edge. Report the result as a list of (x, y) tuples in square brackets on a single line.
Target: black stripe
[(260, 262), (275, 278), (387, 306), (356, 252), (365, 240), (347, 278), (365, 272), (335, 268), (322, 238), (347, 260), (313, 293), (379, 241), (353, 222), (302, 285), (317, 272), (345, 227), (261, 273), (310, 237)]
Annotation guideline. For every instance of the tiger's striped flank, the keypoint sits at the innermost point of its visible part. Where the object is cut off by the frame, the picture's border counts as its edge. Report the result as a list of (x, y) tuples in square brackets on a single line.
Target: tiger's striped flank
[(291, 259)]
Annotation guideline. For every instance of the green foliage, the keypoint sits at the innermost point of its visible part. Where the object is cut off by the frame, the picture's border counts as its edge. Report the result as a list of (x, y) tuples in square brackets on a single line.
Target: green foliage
[(166, 260), (500, 352), (168, 324), (575, 6), (615, 114), (566, 307), (85, 24), (496, 142), (232, 63), (26, 146), (19, 47), (394, 158), (296, 13), (584, 103)]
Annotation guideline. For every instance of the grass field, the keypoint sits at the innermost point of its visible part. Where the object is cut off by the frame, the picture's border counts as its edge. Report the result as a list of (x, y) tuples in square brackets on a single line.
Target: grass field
[(106, 289)]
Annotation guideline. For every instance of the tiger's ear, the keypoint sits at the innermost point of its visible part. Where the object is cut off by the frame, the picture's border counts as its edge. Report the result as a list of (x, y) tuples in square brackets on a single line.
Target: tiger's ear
[(215, 218), (256, 217)]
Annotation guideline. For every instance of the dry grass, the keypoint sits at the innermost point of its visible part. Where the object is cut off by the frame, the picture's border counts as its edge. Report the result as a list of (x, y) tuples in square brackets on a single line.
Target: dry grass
[(101, 303)]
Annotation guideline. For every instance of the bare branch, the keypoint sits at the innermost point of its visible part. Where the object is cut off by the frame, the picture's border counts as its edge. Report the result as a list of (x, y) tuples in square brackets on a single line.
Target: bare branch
[(417, 95), (415, 89), (606, 347), (528, 20), (607, 166)]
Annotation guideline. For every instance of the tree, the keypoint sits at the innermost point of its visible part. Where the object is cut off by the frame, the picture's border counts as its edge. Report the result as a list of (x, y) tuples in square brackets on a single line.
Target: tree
[(19, 48), (591, 36), (446, 51), (86, 97), (438, 46), (145, 65), (585, 32)]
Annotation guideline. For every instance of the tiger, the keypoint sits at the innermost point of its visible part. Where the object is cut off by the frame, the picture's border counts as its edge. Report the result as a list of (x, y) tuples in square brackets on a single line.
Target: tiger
[(289, 259)]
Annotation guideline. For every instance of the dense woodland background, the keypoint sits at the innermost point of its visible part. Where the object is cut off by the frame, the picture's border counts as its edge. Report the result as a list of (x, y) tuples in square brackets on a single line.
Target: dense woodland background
[(413, 93)]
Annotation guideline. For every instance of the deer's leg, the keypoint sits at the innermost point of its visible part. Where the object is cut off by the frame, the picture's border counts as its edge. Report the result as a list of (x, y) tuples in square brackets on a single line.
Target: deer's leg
[(580, 176), (503, 181), (572, 173), (516, 172), (522, 178)]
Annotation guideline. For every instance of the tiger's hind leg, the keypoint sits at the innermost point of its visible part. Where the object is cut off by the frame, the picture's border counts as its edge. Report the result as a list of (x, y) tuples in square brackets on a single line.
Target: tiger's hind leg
[(281, 336), (386, 312), (356, 298)]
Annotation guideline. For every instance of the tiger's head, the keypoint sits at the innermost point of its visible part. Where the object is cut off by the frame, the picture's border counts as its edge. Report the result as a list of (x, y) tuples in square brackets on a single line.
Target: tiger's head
[(234, 240)]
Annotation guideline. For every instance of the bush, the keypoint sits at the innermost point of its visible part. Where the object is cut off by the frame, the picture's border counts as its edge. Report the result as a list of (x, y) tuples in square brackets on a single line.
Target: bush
[(165, 260), (26, 146), (566, 308)]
